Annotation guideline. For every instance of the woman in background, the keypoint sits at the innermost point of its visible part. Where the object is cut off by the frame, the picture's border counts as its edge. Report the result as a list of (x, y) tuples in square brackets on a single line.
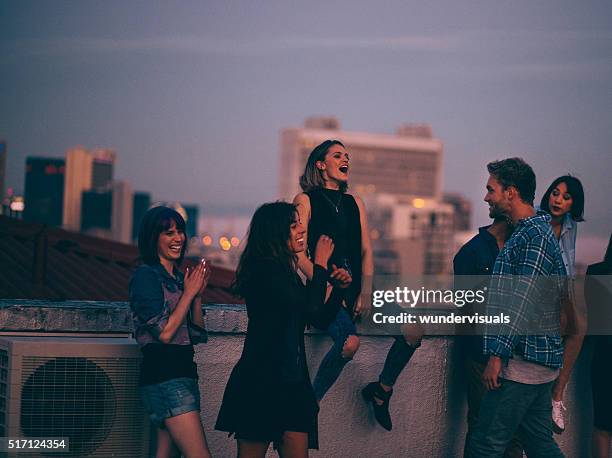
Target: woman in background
[(168, 321), (564, 200), (269, 397)]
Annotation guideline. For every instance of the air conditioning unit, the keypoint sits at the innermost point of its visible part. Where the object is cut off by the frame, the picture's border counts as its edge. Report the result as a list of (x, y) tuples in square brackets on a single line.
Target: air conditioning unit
[(82, 388)]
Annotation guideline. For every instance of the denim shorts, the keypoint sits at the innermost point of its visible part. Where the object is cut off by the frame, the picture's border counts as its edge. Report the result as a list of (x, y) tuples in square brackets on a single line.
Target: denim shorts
[(170, 398)]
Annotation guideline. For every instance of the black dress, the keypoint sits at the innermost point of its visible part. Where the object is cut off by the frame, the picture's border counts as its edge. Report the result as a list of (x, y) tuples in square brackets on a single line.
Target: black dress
[(336, 214), (269, 390)]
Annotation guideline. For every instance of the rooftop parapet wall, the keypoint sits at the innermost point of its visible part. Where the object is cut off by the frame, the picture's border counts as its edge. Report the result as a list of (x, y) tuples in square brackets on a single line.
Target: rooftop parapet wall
[(428, 405)]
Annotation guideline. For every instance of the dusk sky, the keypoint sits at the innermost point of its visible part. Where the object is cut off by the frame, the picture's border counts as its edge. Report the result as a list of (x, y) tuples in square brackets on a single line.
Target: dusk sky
[(192, 95)]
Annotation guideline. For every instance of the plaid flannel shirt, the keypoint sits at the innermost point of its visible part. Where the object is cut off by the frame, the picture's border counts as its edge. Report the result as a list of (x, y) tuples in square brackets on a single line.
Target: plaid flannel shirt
[(528, 284)]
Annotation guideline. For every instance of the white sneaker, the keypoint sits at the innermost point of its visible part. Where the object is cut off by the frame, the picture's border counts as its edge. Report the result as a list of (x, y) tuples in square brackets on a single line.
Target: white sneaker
[(558, 417)]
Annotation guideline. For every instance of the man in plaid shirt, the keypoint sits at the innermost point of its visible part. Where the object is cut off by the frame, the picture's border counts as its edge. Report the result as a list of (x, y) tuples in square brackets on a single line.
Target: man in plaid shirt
[(524, 356)]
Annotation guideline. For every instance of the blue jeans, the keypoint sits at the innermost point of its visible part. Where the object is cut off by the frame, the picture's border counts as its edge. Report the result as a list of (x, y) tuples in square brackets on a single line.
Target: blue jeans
[(333, 362), (515, 408)]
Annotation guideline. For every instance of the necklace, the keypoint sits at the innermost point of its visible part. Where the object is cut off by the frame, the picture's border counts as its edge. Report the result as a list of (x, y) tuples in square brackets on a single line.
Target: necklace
[(334, 205)]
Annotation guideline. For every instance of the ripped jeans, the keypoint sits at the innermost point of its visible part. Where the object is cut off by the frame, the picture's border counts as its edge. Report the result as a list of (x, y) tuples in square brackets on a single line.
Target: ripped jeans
[(333, 362)]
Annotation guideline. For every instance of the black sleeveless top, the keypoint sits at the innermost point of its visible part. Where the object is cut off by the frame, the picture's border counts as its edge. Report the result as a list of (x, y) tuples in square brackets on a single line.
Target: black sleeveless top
[(336, 215)]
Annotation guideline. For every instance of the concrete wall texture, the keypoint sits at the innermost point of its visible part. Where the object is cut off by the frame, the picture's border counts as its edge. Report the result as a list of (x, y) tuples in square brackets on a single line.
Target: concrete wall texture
[(428, 406)]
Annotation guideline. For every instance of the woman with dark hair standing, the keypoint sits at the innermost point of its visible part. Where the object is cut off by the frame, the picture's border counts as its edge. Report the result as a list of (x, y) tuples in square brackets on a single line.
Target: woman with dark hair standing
[(598, 295), (564, 200), (269, 397), (168, 321), (325, 207)]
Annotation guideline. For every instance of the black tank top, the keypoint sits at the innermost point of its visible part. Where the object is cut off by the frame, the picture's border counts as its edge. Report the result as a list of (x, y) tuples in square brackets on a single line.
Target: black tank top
[(336, 215)]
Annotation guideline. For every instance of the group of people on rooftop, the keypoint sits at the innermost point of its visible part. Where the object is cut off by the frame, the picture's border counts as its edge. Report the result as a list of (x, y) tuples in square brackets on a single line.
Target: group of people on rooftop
[(310, 263)]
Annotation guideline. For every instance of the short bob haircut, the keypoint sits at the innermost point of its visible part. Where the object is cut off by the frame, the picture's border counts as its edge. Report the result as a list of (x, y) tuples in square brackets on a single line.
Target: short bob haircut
[(267, 240), (155, 221), (515, 172), (313, 177), (574, 188)]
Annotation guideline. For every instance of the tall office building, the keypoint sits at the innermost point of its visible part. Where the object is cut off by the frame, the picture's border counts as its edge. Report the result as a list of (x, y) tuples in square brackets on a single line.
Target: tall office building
[(107, 213), (462, 219), (3, 152), (410, 236), (44, 190), (96, 212), (192, 219), (142, 202), (85, 170), (123, 206), (408, 163)]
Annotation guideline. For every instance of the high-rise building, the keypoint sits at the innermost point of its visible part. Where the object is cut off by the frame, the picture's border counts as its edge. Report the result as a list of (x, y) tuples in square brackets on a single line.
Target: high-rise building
[(192, 219), (123, 206), (415, 234), (462, 219), (44, 190), (102, 168), (3, 152), (107, 213), (142, 202), (96, 211), (408, 163), (85, 170)]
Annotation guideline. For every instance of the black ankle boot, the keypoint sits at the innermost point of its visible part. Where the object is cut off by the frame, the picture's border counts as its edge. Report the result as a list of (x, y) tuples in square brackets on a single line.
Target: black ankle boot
[(372, 392)]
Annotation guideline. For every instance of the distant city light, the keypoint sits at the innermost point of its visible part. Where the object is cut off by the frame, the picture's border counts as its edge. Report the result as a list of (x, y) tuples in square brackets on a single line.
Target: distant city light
[(17, 205), (235, 241), (207, 240), (225, 244), (418, 203)]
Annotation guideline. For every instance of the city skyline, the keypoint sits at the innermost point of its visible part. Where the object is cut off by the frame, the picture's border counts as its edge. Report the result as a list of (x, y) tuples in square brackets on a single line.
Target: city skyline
[(193, 98)]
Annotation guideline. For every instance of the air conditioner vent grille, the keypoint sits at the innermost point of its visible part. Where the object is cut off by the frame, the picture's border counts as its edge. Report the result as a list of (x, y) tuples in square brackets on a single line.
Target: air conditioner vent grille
[(74, 397)]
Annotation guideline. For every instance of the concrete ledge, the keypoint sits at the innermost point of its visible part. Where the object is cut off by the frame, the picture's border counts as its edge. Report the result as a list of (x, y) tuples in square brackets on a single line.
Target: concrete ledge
[(25, 315), (428, 406), (67, 316)]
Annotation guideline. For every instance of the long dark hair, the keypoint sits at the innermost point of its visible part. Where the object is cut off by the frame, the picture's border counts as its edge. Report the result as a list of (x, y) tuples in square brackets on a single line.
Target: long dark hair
[(574, 188), (313, 177), (154, 222), (267, 240)]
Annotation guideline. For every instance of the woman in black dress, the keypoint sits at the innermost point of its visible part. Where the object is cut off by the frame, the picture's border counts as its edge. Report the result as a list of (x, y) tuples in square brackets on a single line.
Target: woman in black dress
[(269, 397)]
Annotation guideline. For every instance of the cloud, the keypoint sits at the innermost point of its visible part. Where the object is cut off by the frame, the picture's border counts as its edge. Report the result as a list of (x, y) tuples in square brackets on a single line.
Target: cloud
[(491, 54), (215, 45)]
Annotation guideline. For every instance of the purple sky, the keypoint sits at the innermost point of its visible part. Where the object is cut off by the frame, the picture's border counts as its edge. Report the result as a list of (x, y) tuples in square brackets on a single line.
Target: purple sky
[(193, 94)]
